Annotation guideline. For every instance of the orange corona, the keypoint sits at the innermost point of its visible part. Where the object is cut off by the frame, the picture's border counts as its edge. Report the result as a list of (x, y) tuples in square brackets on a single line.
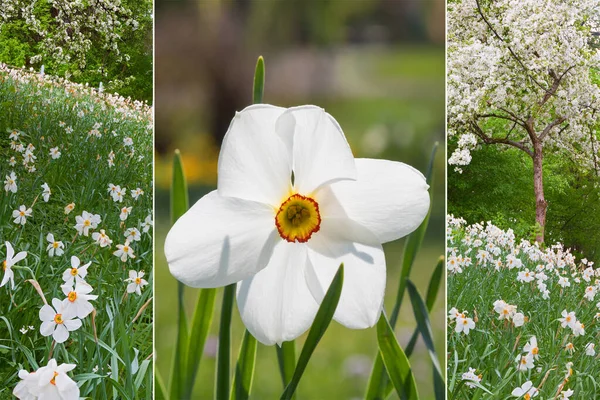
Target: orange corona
[(298, 218)]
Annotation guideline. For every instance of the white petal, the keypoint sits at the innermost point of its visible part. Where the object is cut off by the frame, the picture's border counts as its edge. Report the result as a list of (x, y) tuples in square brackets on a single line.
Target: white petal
[(221, 240), (57, 304), (131, 287), (364, 277), (72, 324), (388, 198), (47, 328), (61, 334), (254, 163), (20, 256), (276, 304), (75, 262), (47, 313), (132, 274), (321, 152)]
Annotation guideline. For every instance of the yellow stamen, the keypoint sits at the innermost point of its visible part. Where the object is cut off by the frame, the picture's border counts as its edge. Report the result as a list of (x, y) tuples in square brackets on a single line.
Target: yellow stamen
[(72, 296), (58, 318), (53, 380), (298, 218)]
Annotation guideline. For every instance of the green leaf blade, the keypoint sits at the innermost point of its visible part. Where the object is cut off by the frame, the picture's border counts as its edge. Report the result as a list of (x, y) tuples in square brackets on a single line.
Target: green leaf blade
[(244, 371), (224, 349), (258, 89)]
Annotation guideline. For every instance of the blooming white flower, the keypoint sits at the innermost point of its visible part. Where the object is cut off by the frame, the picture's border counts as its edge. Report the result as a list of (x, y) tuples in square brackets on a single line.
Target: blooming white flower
[(147, 224), (566, 394), (9, 262), (570, 347), (471, 376), (285, 240), (136, 282), (69, 207), (12, 161), (564, 282), (124, 251), (55, 153), (46, 193), (568, 319), (525, 276), (464, 324), (101, 238), (20, 216), (78, 298), (526, 391), (57, 321), (590, 349), (525, 362), (85, 221), (453, 314), (133, 235), (532, 347), (76, 271), (55, 247), (125, 211), (128, 141), (518, 319), (49, 382), (578, 329), (137, 193), (10, 183)]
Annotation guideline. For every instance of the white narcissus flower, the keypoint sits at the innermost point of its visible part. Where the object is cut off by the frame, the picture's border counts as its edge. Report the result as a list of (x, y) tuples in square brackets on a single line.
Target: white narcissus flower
[(57, 321), (78, 298), (527, 391), (124, 251), (518, 319), (137, 193), (20, 216), (133, 235), (50, 382), (9, 262), (55, 247), (85, 221), (101, 238), (464, 324), (10, 183), (525, 362), (590, 349), (283, 239), (471, 376), (532, 347), (54, 153), (125, 211), (76, 271), (69, 208), (568, 319), (136, 282), (46, 193), (147, 224), (566, 394)]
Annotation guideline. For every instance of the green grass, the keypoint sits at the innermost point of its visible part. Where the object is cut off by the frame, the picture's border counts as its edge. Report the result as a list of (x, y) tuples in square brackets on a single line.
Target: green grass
[(42, 109), (492, 347)]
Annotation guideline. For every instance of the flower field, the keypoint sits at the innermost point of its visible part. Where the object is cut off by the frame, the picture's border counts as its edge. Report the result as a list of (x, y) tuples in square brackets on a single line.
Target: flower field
[(76, 236), (523, 319)]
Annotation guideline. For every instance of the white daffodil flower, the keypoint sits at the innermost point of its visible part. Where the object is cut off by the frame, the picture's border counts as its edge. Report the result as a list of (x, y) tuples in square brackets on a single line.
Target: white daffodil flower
[(568, 319), (525, 362), (137, 193), (532, 347), (124, 251), (133, 235), (590, 349), (69, 208), (136, 282), (292, 204), (57, 321), (78, 298), (464, 324), (77, 271), (85, 221), (147, 224), (20, 216), (54, 153), (9, 262), (10, 183), (101, 238), (527, 391), (46, 193), (55, 247), (50, 382), (125, 211)]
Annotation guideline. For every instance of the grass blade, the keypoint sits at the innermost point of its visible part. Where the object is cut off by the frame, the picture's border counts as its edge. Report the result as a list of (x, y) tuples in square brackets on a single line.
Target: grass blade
[(286, 357), (259, 81), (395, 361), (317, 329), (201, 323), (160, 392), (224, 350), (422, 316), (244, 370), (179, 205)]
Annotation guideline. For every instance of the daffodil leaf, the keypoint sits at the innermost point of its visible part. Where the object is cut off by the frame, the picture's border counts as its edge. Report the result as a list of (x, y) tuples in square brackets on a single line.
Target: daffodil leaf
[(141, 374), (422, 317), (201, 323), (395, 361), (160, 392), (286, 357), (224, 349), (259, 81), (179, 205), (317, 330), (244, 370)]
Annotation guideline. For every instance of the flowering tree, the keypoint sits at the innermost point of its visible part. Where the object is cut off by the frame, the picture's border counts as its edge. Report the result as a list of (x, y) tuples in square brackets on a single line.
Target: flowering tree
[(521, 74)]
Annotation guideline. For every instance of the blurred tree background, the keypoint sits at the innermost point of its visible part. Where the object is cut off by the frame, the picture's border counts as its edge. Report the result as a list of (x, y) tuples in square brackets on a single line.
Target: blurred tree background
[(90, 41), (377, 66)]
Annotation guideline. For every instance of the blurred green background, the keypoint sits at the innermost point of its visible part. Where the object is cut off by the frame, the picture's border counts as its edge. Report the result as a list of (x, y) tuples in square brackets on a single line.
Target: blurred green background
[(377, 66)]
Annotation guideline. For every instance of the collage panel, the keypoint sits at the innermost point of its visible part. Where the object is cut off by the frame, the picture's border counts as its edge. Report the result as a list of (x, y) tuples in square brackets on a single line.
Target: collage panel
[(377, 69), (523, 94), (76, 205)]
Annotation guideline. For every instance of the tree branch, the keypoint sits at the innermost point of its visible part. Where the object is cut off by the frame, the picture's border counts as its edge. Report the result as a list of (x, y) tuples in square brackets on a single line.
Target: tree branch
[(490, 140), (549, 127)]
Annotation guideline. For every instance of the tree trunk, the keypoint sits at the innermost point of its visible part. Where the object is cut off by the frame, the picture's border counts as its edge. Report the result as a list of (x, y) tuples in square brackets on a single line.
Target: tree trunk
[(538, 187)]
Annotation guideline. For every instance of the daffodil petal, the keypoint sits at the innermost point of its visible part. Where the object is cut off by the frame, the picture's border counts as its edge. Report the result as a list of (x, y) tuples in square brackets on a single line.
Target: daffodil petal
[(221, 240), (254, 163), (276, 304), (47, 313), (61, 334), (321, 152), (389, 198), (47, 328), (72, 324), (364, 278)]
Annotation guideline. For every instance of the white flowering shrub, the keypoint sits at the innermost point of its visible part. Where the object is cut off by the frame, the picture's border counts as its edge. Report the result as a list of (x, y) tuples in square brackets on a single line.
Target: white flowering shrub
[(76, 240), (530, 313)]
